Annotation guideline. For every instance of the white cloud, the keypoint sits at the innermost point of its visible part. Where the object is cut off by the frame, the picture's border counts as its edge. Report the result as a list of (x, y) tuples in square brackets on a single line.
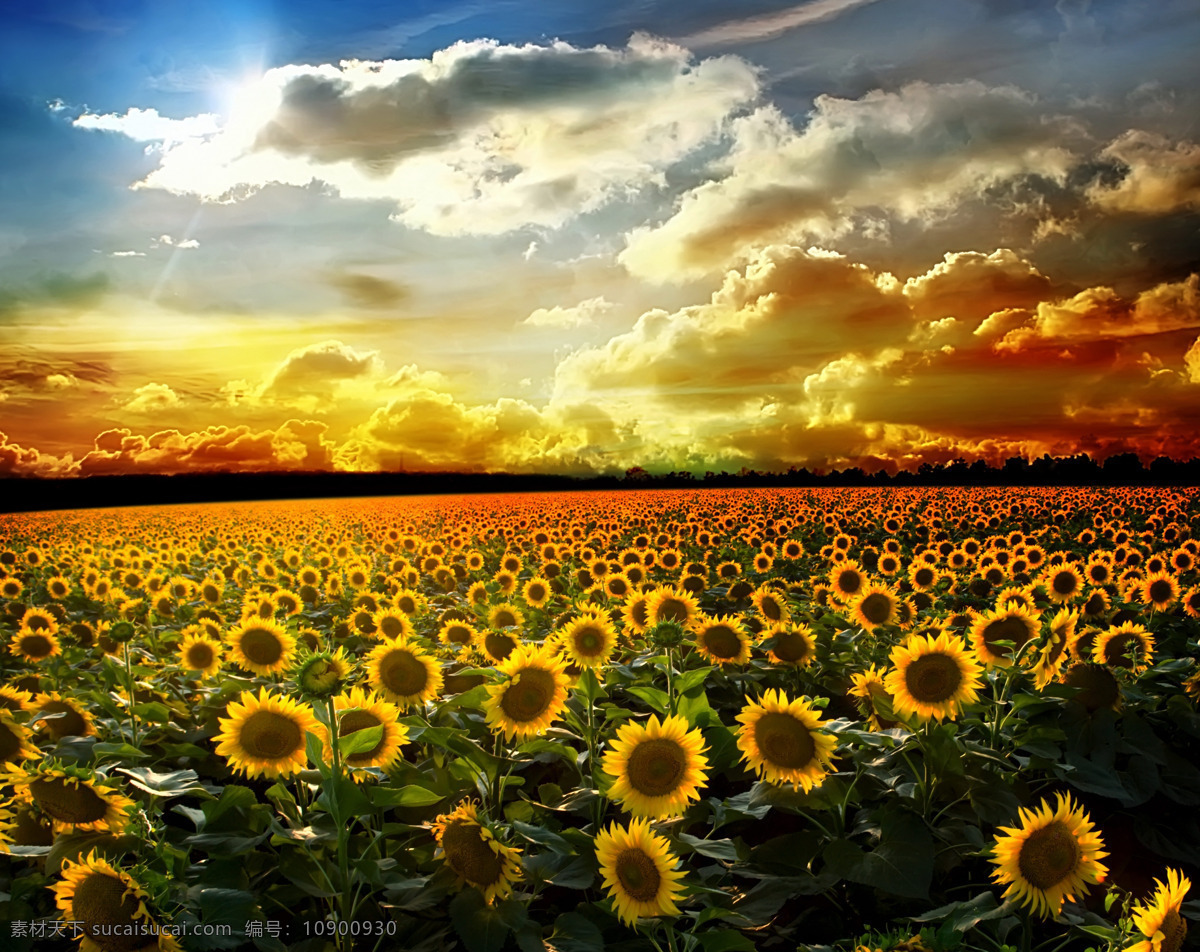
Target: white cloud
[(558, 316), (1161, 178), (169, 242), (152, 397), (127, 254), (146, 125), (481, 138), (916, 154), (770, 25)]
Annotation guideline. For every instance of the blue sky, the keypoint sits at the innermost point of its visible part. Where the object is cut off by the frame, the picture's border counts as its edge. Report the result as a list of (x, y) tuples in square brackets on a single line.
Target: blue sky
[(547, 225)]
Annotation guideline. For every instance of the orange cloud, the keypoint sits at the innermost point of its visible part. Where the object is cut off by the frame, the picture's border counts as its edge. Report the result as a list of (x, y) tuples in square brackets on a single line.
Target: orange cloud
[(297, 445), (1161, 177), (17, 460)]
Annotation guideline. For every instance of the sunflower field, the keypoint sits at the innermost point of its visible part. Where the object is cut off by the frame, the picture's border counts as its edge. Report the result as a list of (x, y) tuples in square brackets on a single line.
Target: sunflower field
[(711, 720)]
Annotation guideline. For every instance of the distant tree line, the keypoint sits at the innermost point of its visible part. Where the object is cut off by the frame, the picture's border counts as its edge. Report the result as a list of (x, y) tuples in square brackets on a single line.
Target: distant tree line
[(26, 494)]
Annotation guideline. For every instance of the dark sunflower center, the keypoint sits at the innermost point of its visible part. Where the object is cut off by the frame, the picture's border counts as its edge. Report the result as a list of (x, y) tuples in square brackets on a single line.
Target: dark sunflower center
[(638, 874), (10, 743), (72, 723), (37, 623), (403, 673), (932, 678), (655, 767), (529, 695), (790, 646), (1098, 687), (269, 735), (771, 608), (589, 641), (36, 646), (497, 645), (199, 656), (1174, 931), (458, 635), (358, 720), (505, 619), (468, 854), (536, 593), (637, 611), (101, 908), (261, 646), (1121, 649), (672, 609), (923, 577), (1160, 591), (876, 608), (1006, 629), (391, 626), (721, 641), (784, 741), (849, 581), (69, 803), (1064, 583), (1049, 855)]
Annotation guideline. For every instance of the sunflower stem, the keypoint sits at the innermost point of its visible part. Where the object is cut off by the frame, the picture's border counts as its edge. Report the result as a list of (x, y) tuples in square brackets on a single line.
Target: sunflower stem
[(344, 900), (133, 725), (670, 692)]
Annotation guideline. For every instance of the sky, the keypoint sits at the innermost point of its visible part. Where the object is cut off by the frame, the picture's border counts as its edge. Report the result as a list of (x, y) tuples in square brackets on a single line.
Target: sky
[(580, 237)]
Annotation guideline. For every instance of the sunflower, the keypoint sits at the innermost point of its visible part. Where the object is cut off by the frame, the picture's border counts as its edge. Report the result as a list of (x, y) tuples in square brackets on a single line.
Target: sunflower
[(198, 652), (458, 635), (847, 580), (658, 766), (1126, 646), (589, 640), (932, 677), (1160, 591), (868, 686), (536, 592), (1063, 583), (262, 646), (14, 699), (783, 740), (472, 851), (671, 604), (392, 623), (874, 606), (771, 605), (634, 613), (498, 645), (791, 644), (109, 908), (1010, 623), (1050, 858), (532, 696), (505, 615), (34, 644), (1051, 655), (14, 741), (360, 710), (40, 620), (722, 639), (74, 722), (636, 867), (1159, 919), (264, 735), (76, 799), (403, 673)]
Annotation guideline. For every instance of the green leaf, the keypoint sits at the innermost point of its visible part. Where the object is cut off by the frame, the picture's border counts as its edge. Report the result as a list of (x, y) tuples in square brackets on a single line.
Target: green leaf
[(725, 940), (574, 932), (359, 741), (120, 751), (691, 679), (481, 927), (314, 748), (715, 849), (659, 700), (543, 837), (902, 863), (173, 784), (154, 712), (723, 750), (694, 708), (589, 688), (407, 796)]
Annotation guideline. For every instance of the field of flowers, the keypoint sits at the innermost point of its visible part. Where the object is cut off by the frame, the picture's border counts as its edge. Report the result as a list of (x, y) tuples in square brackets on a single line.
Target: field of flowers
[(671, 720)]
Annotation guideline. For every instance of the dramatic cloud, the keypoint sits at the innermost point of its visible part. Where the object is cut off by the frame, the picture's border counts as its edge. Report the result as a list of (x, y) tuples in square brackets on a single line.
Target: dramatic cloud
[(297, 445), (481, 138), (585, 312), (1162, 177), (309, 377), (17, 460), (918, 153), (152, 398)]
